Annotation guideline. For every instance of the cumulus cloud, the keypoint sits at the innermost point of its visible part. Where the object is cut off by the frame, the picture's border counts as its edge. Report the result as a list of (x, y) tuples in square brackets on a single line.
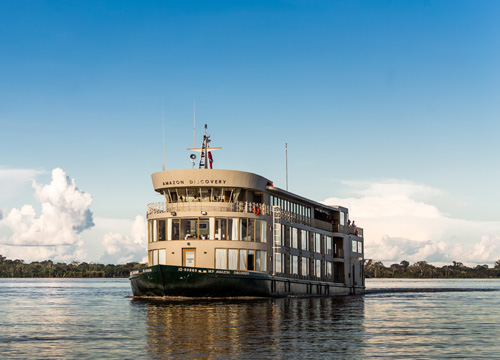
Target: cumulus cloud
[(55, 233), (120, 248), (401, 222)]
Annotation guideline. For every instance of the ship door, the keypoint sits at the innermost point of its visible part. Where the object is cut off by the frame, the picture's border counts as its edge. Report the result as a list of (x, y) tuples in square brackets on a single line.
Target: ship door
[(189, 257)]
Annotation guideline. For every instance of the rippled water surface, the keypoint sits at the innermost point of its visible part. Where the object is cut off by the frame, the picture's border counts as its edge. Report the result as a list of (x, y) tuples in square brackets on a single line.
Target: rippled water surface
[(95, 319)]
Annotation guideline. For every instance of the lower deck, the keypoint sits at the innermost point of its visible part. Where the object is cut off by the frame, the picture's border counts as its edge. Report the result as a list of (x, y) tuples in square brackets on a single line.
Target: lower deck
[(165, 280)]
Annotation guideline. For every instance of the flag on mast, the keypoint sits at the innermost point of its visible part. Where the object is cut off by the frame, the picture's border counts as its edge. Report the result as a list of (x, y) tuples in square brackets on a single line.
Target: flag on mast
[(210, 158)]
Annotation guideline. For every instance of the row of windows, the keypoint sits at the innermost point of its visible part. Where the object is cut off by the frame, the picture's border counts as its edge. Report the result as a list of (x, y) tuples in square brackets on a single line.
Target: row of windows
[(227, 259), (303, 266), (156, 257), (206, 194), (291, 206), (307, 240), (244, 229), (240, 259)]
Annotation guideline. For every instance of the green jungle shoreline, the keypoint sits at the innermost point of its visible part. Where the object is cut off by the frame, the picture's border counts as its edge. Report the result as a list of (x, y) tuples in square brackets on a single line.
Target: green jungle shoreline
[(49, 269), (372, 269)]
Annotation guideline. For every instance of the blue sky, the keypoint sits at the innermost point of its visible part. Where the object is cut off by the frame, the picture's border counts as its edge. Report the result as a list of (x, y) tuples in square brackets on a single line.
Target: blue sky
[(373, 98)]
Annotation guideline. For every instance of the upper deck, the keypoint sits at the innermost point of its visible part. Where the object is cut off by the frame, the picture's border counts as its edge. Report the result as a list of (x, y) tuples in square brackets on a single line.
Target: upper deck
[(231, 191)]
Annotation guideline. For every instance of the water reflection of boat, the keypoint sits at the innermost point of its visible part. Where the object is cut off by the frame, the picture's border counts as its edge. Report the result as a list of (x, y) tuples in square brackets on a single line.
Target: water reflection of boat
[(225, 233), (261, 329)]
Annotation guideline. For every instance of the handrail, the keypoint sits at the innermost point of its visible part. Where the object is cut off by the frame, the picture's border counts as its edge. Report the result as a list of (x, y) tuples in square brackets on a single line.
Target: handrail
[(251, 207)]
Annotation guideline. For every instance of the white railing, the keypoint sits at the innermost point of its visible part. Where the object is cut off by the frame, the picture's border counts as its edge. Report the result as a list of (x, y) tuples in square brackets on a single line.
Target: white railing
[(251, 207), (241, 206)]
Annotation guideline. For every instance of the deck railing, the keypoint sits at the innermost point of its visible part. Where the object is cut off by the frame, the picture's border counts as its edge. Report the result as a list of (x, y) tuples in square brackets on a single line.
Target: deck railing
[(241, 206), (254, 208)]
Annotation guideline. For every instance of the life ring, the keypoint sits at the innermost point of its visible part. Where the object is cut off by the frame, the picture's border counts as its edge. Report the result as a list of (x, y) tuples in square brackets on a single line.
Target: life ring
[(256, 210)]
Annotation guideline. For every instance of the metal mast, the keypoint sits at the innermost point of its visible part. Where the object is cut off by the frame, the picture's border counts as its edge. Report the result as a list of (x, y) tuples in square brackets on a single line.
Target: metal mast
[(205, 150)]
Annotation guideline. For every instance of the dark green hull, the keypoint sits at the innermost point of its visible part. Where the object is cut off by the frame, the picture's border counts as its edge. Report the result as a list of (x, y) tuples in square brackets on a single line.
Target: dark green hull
[(166, 280)]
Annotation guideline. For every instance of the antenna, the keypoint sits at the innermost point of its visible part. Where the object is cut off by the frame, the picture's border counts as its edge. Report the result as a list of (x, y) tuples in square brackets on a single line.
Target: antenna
[(286, 156), (194, 123), (163, 116)]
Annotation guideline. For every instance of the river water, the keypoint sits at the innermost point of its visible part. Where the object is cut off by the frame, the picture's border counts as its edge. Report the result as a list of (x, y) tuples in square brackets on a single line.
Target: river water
[(97, 319)]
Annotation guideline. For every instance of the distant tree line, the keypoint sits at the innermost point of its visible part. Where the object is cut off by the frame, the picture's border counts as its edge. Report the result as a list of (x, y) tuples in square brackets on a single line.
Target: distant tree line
[(373, 269), (49, 269), (422, 269)]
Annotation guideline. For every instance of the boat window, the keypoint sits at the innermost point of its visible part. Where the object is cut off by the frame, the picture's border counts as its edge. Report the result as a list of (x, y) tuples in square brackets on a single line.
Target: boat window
[(155, 230), (295, 265), (221, 258), (263, 231), (243, 259), (236, 195), (161, 230), (251, 260), (317, 242), (173, 229), (243, 229), (328, 245), (189, 228), (294, 237), (329, 270), (216, 194), (150, 230), (258, 260), (318, 268), (233, 259), (342, 218), (305, 266), (193, 194), (182, 194), (155, 257), (360, 247), (173, 195), (277, 263), (205, 194), (220, 228), (227, 195), (204, 232), (250, 230), (232, 227), (283, 235), (354, 246), (304, 239), (162, 257), (258, 230)]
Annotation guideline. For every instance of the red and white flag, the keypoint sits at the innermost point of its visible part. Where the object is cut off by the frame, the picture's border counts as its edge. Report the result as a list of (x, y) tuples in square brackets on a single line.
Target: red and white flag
[(210, 158)]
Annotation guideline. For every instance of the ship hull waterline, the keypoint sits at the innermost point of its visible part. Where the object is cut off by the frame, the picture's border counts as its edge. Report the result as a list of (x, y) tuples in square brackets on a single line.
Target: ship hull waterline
[(175, 281)]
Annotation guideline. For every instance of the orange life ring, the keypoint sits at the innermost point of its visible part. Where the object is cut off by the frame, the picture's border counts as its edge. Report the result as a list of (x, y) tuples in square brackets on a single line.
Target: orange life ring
[(256, 210)]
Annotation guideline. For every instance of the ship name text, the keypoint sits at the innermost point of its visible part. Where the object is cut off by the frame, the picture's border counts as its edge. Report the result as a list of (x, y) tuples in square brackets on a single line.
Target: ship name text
[(194, 182)]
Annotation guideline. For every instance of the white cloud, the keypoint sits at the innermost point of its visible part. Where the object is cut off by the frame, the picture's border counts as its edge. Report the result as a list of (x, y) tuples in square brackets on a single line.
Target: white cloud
[(401, 222), (55, 234), (120, 248)]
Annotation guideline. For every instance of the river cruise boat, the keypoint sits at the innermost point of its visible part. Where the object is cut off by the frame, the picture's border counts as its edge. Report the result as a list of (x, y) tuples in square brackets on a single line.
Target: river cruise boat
[(226, 233)]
